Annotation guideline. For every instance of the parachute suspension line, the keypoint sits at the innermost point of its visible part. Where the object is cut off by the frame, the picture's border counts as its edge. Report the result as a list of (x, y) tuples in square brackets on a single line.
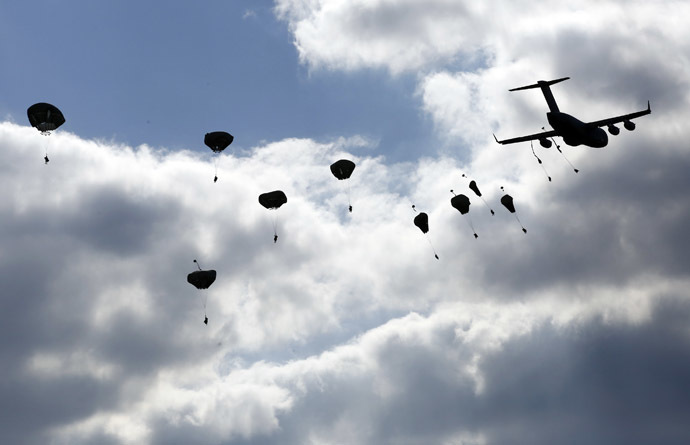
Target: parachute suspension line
[(432, 246), (275, 227), (482, 198), (349, 202), (469, 221), (518, 220), (45, 158), (487, 204), (558, 147), (539, 160), (203, 297), (215, 163)]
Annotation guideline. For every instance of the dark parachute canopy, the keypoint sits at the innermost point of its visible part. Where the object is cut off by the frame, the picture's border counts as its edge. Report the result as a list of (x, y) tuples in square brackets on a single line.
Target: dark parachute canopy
[(217, 141), (475, 189), (202, 279), (422, 221), (462, 204), (343, 169), (507, 202), (45, 117), (272, 201)]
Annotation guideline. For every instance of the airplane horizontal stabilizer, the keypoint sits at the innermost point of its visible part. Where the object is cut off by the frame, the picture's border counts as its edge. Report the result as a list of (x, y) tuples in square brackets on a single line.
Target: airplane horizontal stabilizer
[(540, 84)]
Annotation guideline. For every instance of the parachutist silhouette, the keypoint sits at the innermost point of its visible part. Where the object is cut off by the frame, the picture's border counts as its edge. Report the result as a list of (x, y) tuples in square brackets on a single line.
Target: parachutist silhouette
[(275, 239), (215, 179), (205, 320), (45, 158), (342, 170)]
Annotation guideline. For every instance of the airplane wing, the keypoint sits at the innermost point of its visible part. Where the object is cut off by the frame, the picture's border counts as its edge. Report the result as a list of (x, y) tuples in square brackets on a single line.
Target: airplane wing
[(531, 137), (618, 119)]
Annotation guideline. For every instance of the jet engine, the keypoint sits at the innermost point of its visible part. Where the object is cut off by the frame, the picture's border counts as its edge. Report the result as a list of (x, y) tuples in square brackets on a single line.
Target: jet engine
[(629, 125), (614, 130), (545, 142)]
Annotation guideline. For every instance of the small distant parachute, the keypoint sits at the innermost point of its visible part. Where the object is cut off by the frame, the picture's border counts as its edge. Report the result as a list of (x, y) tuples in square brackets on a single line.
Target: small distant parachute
[(45, 118), (475, 189), (272, 201), (342, 170), (507, 202), (218, 141), (422, 221), (202, 279), (462, 204)]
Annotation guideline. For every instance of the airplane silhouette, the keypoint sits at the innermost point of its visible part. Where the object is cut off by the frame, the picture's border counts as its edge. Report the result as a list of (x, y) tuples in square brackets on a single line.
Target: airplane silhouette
[(572, 130)]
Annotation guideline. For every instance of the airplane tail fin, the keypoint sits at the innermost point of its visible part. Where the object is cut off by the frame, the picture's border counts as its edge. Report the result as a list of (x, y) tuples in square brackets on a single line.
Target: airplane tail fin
[(546, 90)]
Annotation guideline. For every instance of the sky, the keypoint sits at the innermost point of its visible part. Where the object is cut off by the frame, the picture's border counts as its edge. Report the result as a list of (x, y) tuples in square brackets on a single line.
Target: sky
[(347, 330)]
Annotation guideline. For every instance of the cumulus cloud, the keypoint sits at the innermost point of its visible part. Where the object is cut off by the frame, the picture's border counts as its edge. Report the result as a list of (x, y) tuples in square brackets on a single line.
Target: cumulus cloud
[(348, 330)]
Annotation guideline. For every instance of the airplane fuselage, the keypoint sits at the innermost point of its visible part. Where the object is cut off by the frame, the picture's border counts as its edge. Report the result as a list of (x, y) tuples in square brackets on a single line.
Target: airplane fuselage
[(575, 132)]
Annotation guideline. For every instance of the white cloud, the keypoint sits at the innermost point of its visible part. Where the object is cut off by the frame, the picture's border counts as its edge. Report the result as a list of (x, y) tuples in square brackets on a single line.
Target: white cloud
[(343, 329)]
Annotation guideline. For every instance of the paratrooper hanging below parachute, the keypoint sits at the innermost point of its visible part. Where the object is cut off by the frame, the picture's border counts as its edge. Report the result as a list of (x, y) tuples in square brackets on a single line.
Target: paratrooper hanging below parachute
[(272, 201), (475, 189), (217, 141), (45, 118), (462, 204), (507, 202), (202, 279), (342, 170)]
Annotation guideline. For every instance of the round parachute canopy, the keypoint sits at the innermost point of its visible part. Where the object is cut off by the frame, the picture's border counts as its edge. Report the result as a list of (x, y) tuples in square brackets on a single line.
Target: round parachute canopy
[(218, 140), (45, 117), (475, 189), (507, 202), (201, 279), (342, 169), (422, 221), (272, 200), (461, 202)]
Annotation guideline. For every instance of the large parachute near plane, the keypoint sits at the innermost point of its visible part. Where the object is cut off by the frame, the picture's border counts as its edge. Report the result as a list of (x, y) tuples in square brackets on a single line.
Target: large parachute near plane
[(508, 203), (45, 118), (217, 141), (342, 170), (272, 201), (202, 279)]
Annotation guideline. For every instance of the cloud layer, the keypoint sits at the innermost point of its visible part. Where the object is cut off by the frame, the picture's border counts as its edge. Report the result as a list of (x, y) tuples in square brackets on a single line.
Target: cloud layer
[(348, 330)]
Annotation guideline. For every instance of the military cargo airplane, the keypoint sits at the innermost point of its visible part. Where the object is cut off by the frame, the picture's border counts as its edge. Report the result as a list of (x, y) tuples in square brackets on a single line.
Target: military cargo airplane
[(573, 131)]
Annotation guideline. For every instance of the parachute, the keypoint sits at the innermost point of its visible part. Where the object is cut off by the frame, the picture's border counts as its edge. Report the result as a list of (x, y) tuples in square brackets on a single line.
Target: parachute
[(462, 204), (343, 169), (272, 201), (507, 202), (217, 141), (202, 279), (45, 118), (475, 189), (422, 221)]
